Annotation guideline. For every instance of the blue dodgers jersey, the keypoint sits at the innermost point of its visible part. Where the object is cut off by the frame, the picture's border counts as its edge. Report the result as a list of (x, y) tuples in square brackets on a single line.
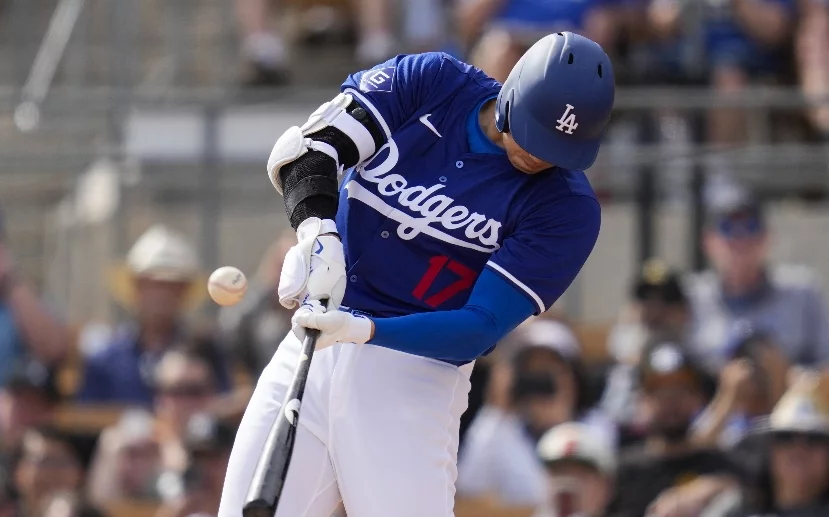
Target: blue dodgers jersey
[(424, 216)]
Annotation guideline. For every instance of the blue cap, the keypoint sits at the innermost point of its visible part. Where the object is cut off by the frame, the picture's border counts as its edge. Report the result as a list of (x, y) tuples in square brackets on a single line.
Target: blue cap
[(739, 216), (557, 100)]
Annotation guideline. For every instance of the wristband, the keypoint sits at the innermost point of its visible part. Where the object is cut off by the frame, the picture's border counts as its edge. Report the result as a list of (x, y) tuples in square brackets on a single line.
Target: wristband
[(328, 226)]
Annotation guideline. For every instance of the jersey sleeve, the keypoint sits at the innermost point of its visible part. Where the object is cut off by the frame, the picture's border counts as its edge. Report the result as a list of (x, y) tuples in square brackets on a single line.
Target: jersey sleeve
[(395, 90), (548, 248)]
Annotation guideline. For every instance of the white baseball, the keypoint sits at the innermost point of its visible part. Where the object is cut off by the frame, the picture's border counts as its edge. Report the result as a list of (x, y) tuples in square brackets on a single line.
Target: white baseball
[(227, 286)]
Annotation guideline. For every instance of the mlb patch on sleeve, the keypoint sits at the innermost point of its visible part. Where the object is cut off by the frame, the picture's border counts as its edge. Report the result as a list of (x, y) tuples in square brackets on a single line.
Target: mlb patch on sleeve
[(379, 80)]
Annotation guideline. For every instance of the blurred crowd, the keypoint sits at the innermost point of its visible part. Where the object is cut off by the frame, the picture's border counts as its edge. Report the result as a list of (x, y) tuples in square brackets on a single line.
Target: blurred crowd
[(711, 397), (727, 45)]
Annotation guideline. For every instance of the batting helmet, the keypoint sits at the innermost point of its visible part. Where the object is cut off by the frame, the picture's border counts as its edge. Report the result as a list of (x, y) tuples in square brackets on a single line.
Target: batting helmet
[(557, 100)]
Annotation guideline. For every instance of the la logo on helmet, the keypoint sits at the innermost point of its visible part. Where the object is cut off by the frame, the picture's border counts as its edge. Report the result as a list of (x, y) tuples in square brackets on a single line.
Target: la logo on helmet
[(567, 122)]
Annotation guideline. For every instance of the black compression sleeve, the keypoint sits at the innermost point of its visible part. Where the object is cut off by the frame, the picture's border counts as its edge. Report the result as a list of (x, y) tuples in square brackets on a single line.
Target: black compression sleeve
[(309, 183)]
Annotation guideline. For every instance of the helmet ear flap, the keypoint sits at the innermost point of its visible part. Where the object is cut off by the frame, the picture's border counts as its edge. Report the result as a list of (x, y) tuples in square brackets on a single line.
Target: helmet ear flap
[(502, 107)]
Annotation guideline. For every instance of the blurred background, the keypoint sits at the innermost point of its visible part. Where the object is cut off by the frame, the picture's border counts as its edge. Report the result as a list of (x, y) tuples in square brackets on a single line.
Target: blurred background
[(681, 375)]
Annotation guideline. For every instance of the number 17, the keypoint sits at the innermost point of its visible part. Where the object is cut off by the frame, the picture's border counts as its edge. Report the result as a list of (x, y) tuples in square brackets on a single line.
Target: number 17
[(436, 264)]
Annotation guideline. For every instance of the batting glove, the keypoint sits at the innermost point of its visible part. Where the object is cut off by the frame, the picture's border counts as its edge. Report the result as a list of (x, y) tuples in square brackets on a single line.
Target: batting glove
[(334, 326), (314, 269)]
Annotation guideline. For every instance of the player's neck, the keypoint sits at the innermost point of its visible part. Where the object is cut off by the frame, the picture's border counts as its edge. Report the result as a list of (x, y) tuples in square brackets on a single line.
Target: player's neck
[(486, 119)]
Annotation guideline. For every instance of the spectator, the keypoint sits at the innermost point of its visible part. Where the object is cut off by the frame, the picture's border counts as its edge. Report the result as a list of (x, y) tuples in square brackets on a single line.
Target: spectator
[(750, 385), (208, 444), (266, 53), (376, 35), (263, 47), (736, 40), (185, 386), (580, 470), (25, 326), (813, 60), (133, 455), (507, 28), (727, 44), (51, 463), (422, 21), (547, 388), (744, 289), (744, 39), (795, 482), (27, 400), (659, 311), (159, 283), (127, 463), (668, 469)]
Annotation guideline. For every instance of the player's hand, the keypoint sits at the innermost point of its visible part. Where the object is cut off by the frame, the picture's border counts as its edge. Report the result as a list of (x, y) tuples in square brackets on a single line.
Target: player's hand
[(334, 326), (314, 269)]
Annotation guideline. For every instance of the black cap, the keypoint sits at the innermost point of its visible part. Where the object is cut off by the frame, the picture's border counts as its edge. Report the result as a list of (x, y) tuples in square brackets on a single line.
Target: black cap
[(657, 281), (205, 433), (33, 376), (739, 214), (665, 362)]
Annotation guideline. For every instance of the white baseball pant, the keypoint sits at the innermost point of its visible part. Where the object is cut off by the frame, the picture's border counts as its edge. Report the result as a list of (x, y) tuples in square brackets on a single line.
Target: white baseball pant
[(378, 430)]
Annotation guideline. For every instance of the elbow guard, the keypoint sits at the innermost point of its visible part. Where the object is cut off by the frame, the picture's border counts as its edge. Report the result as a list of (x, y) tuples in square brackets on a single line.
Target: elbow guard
[(305, 163), (340, 129)]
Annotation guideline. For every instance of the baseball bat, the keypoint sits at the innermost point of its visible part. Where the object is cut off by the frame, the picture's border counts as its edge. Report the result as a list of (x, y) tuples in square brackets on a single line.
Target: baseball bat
[(272, 468)]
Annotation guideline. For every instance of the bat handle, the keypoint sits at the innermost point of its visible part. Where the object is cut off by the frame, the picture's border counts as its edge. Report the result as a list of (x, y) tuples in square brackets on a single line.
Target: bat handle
[(258, 508)]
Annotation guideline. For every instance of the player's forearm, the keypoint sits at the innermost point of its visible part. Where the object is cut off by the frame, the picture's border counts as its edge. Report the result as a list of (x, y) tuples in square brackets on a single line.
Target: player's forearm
[(460, 335), (494, 309), (306, 161)]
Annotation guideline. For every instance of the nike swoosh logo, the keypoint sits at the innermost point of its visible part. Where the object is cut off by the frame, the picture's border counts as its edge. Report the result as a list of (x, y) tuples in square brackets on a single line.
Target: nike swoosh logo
[(425, 120)]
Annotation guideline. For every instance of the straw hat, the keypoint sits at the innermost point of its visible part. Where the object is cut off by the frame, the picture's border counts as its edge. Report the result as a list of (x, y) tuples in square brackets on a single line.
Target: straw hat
[(163, 255), (804, 408)]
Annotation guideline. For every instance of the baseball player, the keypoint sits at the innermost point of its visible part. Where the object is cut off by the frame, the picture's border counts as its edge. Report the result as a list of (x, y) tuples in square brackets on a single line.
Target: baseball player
[(464, 210)]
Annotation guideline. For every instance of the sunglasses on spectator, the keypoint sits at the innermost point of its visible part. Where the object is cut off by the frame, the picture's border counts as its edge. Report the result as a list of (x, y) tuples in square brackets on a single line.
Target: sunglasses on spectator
[(788, 438), (184, 390)]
